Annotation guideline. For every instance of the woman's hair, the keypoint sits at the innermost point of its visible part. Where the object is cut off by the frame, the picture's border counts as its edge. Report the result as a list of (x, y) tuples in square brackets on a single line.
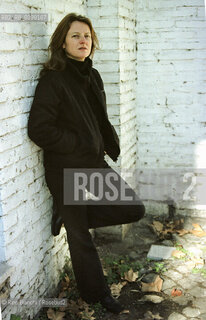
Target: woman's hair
[(57, 59)]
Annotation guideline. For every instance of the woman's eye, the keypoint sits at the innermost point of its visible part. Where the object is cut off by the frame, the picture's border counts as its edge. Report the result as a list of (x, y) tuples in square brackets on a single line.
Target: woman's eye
[(75, 36)]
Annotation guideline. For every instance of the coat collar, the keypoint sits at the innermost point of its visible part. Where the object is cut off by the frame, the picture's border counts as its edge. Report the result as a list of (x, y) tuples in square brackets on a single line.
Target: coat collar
[(84, 74), (81, 70)]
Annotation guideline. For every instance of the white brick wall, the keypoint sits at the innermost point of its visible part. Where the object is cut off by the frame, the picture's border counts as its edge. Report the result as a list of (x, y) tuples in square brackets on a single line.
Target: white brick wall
[(115, 26), (25, 216), (105, 20), (127, 47), (171, 92)]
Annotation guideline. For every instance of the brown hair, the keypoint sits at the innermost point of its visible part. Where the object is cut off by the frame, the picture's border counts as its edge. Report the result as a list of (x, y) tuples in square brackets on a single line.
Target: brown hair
[(57, 60)]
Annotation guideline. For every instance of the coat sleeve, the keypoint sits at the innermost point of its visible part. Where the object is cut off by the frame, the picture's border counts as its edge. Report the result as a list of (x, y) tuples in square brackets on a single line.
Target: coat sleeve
[(111, 139), (42, 123)]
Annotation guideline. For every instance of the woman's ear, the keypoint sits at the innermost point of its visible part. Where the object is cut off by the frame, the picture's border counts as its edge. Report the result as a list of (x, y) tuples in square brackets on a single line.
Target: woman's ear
[(63, 46)]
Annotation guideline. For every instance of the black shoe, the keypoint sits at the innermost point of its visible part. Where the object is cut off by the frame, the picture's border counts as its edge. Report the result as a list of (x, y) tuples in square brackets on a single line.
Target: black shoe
[(111, 304), (56, 221), (56, 225)]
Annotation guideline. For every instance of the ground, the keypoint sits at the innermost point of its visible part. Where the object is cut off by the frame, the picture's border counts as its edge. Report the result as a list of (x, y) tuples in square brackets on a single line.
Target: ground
[(181, 294)]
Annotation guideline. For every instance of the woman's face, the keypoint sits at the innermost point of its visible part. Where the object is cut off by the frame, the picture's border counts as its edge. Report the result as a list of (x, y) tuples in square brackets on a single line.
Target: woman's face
[(78, 41)]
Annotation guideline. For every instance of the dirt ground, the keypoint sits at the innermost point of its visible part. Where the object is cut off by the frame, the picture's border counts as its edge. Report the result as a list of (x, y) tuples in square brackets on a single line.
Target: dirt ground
[(125, 263)]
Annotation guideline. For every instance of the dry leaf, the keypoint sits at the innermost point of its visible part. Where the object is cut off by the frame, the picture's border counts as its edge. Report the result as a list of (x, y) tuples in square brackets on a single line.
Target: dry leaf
[(73, 307), (65, 283), (182, 232), (197, 227), (83, 304), (116, 288), (62, 294), (51, 314), (105, 272), (171, 227), (197, 231), (198, 262), (150, 316), (67, 279), (178, 223), (130, 275), (87, 315), (124, 311), (178, 254), (169, 230), (190, 264), (176, 293), (155, 286), (158, 226)]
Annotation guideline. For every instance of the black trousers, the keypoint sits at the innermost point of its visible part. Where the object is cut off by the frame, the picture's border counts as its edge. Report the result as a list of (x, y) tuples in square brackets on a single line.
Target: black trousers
[(78, 219)]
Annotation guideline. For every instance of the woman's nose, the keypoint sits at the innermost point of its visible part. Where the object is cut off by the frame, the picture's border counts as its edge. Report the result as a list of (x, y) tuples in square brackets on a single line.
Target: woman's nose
[(82, 39)]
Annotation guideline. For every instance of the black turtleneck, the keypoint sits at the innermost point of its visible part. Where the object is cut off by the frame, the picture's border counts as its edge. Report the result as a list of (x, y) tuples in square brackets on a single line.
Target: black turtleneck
[(82, 70), (84, 67)]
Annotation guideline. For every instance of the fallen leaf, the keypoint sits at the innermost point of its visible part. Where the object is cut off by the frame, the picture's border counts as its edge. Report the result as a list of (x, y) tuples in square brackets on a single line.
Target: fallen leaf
[(67, 279), (178, 222), (182, 232), (55, 315), (152, 298), (158, 226), (62, 294), (150, 316), (166, 231), (65, 283), (172, 227), (87, 315), (73, 307), (124, 311), (105, 272), (176, 293), (130, 275), (116, 288), (155, 286), (178, 254), (197, 227), (198, 262), (83, 304), (197, 231), (190, 264)]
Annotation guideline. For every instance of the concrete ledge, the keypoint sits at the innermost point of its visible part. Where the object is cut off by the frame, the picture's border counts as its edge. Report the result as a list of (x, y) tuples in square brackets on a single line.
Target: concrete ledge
[(110, 232), (156, 208)]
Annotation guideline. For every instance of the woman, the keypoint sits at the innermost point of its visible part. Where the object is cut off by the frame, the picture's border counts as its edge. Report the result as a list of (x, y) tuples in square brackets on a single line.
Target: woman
[(68, 119)]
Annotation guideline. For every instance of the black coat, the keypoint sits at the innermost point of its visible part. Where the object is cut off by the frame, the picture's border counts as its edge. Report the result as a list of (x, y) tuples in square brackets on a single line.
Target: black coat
[(60, 119)]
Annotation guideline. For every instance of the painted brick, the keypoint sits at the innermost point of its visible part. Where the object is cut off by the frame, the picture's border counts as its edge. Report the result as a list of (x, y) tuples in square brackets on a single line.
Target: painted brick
[(13, 139)]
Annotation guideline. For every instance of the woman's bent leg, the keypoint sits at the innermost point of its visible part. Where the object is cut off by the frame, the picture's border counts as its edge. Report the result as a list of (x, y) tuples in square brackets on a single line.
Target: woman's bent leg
[(121, 213)]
